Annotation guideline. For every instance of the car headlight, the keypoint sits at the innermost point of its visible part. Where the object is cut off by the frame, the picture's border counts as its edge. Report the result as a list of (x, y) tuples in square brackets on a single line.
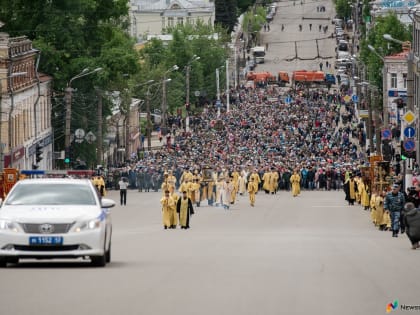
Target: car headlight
[(89, 225), (6, 225)]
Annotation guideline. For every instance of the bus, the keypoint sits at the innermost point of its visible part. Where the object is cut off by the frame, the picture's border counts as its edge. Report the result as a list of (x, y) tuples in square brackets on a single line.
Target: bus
[(258, 54)]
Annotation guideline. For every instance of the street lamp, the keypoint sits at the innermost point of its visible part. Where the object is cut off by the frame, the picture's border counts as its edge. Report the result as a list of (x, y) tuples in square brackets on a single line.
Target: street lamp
[(2, 144), (164, 100), (67, 97), (149, 121), (187, 97)]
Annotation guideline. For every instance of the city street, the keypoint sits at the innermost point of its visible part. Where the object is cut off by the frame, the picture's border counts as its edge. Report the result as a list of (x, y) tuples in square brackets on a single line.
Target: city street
[(291, 49), (312, 254)]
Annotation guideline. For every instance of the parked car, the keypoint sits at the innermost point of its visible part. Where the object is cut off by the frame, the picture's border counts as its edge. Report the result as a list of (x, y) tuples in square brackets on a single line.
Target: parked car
[(343, 45), (48, 218)]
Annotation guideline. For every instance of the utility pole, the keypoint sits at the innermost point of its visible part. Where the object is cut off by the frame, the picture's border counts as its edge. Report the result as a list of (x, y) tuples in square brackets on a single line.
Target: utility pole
[(377, 129), (187, 98), (99, 141), (227, 87), (149, 122), (218, 92), (164, 125), (67, 98), (369, 124)]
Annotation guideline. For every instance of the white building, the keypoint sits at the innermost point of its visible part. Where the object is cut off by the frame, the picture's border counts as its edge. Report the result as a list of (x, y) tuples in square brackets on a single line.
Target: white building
[(152, 17), (396, 69)]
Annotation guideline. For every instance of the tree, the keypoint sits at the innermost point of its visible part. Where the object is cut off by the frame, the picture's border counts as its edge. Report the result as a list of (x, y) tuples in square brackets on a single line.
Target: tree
[(343, 9), (202, 40), (226, 14), (388, 24), (73, 35)]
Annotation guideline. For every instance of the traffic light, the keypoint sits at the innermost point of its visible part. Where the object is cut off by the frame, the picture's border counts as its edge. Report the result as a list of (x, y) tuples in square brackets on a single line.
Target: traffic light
[(400, 103), (398, 157), (407, 154), (67, 156), (35, 167), (38, 153)]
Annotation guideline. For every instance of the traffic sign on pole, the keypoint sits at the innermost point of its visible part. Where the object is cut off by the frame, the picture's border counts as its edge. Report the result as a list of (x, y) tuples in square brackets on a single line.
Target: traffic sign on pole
[(386, 134), (409, 117), (409, 145), (409, 132)]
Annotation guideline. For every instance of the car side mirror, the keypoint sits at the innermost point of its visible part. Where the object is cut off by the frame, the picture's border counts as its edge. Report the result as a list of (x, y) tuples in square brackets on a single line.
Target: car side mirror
[(107, 203)]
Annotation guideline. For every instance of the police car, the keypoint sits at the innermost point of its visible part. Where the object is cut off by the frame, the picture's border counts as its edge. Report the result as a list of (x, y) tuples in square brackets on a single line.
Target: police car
[(55, 218)]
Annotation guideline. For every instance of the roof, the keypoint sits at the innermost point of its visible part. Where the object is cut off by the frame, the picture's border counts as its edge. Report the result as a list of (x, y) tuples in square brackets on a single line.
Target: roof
[(398, 56), (159, 5)]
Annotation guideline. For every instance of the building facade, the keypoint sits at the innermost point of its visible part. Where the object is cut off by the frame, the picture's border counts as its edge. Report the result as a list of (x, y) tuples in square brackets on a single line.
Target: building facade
[(152, 17), (396, 70), (25, 107), (123, 138)]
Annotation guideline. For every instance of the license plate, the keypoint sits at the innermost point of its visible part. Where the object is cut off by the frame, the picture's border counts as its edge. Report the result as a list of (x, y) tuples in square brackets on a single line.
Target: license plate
[(45, 240)]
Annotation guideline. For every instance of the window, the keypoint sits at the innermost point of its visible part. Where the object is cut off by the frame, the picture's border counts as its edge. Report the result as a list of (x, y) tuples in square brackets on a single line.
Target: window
[(404, 80), (180, 21), (393, 80), (170, 21)]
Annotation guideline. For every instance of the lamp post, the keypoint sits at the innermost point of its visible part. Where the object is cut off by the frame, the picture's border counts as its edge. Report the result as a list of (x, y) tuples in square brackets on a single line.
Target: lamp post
[(385, 113), (148, 132), (149, 120), (187, 96), (164, 100), (2, 144), (67, 97), (227, 87)]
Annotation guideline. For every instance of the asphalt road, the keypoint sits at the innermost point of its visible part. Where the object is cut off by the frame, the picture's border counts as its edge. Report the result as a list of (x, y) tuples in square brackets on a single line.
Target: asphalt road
[(312, 254), (291, 49), (307, 255)]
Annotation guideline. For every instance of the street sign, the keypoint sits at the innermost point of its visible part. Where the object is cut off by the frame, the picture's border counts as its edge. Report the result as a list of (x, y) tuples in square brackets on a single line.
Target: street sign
[(409, 117), (347, 98), (363, 113), (354, 98), (386, 134), (288, 100), (409, 132), (409, 145), (218, 103)]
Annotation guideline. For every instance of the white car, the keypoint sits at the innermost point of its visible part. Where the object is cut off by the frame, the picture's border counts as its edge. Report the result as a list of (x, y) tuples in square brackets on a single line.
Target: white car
[(55, 218)]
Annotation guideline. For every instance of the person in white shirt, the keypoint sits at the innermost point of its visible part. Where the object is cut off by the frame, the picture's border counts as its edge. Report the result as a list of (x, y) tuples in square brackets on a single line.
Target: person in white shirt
[(123, 184)]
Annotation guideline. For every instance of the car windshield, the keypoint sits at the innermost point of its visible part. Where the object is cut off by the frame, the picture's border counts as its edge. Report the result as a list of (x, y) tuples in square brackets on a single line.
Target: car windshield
[(51, 194)]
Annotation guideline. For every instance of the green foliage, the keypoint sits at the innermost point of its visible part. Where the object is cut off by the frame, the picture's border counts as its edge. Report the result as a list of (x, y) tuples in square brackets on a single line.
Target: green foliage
[(343, 9), (73, 35), (226, 13), (388, 24), (200, 40), (243, 5)]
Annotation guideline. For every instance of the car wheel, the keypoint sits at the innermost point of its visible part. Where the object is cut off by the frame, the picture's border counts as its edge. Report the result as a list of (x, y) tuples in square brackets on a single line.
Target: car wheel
[(3, 262), (108, 254), (98, 261), (13, 260)]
